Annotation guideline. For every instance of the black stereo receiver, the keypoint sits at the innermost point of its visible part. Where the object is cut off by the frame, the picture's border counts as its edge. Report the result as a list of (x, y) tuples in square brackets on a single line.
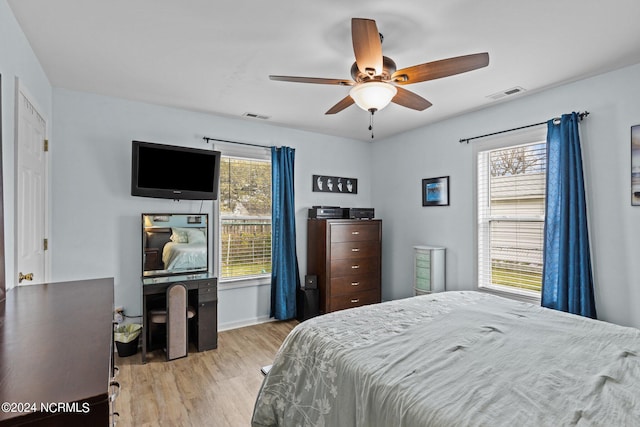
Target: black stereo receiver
[(360, 213), (328, 212)]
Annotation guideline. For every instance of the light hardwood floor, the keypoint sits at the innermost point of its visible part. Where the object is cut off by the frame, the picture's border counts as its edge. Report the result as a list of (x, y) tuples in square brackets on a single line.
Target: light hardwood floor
[(212, 388)]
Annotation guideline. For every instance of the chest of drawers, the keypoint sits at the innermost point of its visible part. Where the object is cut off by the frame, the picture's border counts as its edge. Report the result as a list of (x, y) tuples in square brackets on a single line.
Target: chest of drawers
[(429, 266), (345, 255)]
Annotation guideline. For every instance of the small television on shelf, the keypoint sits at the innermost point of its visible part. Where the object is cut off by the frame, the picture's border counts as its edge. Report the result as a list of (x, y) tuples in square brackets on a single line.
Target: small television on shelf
[(172, 172)]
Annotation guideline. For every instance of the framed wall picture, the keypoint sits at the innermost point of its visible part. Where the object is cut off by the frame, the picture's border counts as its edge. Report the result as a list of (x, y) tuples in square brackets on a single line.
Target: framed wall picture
[(635, 165), (334, 184), (196, 219), (435, 191)]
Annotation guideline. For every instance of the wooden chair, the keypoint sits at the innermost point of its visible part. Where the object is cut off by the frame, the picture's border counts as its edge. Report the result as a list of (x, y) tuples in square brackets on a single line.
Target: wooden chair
[(176, 319)]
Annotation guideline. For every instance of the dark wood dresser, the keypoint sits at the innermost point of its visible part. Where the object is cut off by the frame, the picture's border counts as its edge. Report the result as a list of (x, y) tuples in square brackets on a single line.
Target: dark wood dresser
[(345, 254), (56, 354)]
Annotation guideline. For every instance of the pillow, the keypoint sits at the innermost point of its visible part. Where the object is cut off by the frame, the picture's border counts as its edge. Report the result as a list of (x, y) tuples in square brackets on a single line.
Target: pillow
[(179, 235), (196, 235)]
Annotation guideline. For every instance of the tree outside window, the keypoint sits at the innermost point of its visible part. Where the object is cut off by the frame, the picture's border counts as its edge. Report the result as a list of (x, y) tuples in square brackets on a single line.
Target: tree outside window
[(511, 204), (245, 218)]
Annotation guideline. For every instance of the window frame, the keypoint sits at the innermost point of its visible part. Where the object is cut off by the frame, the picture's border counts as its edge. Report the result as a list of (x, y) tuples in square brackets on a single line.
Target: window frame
[(241, 152), (532, 135)]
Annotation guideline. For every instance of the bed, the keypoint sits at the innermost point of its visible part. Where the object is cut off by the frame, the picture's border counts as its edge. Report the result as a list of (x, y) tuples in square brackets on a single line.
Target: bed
[(181, 256), (180, 248), (453, 359)]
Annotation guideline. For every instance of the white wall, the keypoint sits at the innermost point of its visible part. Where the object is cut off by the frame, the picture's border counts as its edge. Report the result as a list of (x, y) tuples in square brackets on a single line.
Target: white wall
[(614, 101), (17, 61), (96, 229)]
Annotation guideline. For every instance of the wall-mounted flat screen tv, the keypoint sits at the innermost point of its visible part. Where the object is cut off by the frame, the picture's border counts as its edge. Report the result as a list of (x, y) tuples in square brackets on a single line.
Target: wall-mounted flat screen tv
[(172, 172)]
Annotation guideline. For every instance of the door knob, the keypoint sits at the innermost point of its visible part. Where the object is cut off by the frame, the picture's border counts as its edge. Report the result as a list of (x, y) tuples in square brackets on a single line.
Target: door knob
[(28, 276)]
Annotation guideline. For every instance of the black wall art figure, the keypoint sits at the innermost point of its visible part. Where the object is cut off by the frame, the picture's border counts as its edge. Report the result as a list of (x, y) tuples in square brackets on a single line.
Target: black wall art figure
[(334, 184)]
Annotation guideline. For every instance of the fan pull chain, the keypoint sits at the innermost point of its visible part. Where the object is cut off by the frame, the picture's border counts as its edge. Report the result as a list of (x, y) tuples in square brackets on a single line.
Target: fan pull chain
[(372, 110)]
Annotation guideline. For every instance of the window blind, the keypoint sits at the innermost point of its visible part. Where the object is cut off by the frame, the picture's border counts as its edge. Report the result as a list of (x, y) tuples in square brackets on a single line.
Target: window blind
[(511, 201), (245, 218)]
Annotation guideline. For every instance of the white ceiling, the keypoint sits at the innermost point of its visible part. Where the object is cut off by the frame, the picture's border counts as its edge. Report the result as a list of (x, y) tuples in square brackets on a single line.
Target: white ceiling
[(216, 56)]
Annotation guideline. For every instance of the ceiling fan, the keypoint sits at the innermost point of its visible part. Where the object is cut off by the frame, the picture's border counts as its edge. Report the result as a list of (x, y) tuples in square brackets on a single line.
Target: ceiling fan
[(376, 81)]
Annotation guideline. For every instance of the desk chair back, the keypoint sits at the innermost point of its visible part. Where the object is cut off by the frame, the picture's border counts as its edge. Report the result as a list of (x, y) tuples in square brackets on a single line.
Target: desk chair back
[(177, 321)]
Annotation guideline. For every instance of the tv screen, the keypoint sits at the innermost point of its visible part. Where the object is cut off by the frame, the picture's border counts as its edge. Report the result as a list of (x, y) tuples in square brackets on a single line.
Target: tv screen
[(172, 172)]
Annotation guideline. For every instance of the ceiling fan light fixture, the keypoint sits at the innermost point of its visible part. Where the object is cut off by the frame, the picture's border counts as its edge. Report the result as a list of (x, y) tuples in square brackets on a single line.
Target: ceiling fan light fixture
[(373, 95)]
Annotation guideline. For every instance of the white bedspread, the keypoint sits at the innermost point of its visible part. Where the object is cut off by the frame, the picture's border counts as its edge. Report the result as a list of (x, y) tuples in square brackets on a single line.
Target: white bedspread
[(453, 359), (177, 256)]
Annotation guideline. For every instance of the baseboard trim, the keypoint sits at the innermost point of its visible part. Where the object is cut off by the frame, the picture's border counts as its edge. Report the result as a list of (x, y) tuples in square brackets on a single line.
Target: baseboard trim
[(244, 323)]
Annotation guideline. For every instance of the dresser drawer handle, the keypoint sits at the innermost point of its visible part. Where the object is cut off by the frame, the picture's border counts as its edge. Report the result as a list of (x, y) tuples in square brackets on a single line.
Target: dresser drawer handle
[(355, 233), (355, 249), (354, 301), (355, 283), (355, 267)]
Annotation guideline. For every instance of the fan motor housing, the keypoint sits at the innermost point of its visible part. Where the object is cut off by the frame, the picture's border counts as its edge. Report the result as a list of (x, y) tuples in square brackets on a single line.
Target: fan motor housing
[(388, 68)]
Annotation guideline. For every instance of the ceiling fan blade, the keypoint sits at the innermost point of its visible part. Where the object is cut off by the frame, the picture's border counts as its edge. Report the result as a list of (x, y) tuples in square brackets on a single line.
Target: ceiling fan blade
[(344, 103), (316, 80), (367, 46), (411, 100), (438, 69)]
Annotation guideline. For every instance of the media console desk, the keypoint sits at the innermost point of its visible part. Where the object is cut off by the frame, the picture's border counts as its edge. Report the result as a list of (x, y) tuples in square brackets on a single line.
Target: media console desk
[(203, 296), (56, 354)]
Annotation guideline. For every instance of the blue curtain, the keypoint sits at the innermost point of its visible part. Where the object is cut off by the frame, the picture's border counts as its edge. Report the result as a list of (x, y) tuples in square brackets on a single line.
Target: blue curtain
[(567, 283), (285, 278)]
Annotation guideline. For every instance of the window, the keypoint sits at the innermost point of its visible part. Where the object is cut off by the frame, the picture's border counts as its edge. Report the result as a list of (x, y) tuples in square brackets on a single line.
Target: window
[(511, 205), (245, 218)]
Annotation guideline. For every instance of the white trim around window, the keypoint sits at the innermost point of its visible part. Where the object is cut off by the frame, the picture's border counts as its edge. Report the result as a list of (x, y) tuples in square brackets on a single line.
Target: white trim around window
[(525, 136), (241, 152)]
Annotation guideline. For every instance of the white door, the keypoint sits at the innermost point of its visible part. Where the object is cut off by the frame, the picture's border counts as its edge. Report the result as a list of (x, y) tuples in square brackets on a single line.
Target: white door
[(31, 177)]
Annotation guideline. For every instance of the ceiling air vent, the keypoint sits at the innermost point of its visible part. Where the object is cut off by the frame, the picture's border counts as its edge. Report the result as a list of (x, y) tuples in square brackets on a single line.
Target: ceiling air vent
[(255, 116), (508, 92)]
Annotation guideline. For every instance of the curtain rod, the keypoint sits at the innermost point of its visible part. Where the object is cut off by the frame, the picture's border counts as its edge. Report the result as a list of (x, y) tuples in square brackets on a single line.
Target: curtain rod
[(207, 140), (582, 115)]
